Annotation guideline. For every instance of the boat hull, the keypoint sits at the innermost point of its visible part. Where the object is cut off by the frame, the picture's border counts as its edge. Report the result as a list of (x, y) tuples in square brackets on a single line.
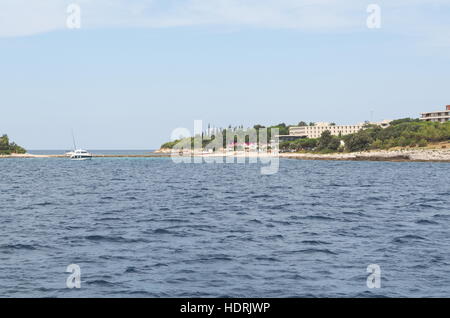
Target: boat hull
[(81, 154)]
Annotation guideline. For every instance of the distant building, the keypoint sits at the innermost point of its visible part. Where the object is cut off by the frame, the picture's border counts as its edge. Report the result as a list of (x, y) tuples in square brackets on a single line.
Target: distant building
[(282, 138), (439, 116), (335, 130)]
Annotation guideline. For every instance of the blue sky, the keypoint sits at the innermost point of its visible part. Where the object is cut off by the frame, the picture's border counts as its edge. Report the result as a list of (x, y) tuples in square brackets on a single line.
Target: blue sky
[(136, 70)]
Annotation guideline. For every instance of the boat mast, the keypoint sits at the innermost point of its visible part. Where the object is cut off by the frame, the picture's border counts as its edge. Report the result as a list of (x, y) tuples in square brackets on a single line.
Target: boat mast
[(73, 139)]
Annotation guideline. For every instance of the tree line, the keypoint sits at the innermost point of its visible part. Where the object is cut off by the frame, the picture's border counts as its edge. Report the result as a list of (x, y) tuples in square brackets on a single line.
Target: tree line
[(404, 132), (238, 133), (7, 147)]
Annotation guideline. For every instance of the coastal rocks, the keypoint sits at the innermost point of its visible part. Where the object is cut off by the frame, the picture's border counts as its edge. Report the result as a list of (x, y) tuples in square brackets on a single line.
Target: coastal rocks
[(381, 155), (384, 158)]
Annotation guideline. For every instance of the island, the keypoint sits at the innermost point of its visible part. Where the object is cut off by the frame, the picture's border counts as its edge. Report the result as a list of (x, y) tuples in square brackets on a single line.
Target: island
[(9, 148)]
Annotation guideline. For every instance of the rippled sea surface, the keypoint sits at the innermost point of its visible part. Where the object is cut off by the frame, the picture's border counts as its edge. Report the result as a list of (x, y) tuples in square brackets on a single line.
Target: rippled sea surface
[(153, 228)]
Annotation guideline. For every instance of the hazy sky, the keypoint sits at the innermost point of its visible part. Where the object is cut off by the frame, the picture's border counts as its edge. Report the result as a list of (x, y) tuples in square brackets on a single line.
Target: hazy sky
[(136, 70)]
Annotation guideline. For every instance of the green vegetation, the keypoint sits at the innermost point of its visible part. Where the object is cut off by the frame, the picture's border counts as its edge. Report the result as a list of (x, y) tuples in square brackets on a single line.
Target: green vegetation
[(401, 133), (404, 132), (7, 147), (170, 144), (328, 142), (239, 133)]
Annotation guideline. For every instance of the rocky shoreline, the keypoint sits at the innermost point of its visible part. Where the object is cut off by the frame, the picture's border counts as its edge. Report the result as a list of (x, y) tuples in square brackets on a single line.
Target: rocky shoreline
[(398, 155), (422, 155)]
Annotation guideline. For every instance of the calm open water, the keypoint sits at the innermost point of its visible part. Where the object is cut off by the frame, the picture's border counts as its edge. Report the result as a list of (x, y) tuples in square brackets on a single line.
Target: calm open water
[(152, 228)]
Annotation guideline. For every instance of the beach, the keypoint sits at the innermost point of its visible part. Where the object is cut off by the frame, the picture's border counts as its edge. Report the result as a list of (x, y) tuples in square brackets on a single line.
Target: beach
[(33, 156)]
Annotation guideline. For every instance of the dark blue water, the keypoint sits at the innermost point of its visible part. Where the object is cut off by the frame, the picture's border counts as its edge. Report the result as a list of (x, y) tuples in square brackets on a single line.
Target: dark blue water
[(152, 228)]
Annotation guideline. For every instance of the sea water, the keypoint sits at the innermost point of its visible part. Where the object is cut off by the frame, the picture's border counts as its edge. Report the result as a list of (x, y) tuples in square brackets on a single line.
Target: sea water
[(148, 227)]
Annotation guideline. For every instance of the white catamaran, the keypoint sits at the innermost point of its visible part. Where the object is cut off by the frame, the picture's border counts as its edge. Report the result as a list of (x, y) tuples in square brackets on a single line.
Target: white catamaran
[(81, 154), (78, 154)]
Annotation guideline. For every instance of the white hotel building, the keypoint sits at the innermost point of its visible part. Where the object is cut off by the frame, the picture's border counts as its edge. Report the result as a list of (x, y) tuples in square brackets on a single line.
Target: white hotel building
[(439, 116), (336, 130)]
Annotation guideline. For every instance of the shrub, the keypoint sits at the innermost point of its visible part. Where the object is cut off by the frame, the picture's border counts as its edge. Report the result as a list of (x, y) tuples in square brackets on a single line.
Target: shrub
[(358, 142), (422, 143), (328, 142), (377, 144)]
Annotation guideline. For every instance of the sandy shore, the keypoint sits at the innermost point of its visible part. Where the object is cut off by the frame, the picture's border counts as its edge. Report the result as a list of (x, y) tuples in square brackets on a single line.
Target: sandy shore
[(432, 155), (30, 156), (27, 155)]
